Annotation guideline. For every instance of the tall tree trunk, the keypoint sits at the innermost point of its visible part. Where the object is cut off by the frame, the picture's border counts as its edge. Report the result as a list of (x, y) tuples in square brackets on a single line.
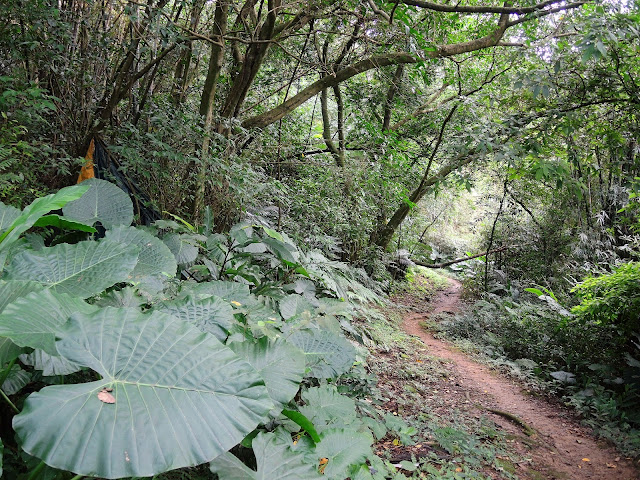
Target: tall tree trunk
[(208, 98), (391, 93), (182, 75), (382, 237), (338, 155), (251, 64)]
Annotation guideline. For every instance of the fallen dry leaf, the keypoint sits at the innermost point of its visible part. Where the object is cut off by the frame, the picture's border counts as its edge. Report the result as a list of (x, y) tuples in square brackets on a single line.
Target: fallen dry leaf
[(586, 460), (611, 465), (106, 397)]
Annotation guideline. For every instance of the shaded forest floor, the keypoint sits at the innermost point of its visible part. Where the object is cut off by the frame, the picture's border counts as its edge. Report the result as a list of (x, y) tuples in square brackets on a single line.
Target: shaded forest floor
[(470, 421)]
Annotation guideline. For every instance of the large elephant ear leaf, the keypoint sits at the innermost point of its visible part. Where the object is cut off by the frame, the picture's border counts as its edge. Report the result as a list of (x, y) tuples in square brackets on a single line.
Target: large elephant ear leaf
[(155, 259), (103, 202), (211, 315), (280, 364), (328, 354), (275, 460), (8, 215), (8, 351), (16, 379), (170, 397), (343, 449), (81, 270), (184, 250), (9, 232), (33, 320), (293, 305), (326, 408), (9, 291), (233, 292), (49, 365)]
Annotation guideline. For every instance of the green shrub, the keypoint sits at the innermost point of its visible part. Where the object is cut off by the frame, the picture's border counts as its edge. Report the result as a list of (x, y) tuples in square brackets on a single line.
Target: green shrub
[(612, 299)]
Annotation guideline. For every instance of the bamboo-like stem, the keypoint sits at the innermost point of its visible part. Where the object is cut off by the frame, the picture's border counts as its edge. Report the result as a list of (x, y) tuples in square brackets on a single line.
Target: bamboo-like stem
[(8, 400), (7, 371), (36, 471)]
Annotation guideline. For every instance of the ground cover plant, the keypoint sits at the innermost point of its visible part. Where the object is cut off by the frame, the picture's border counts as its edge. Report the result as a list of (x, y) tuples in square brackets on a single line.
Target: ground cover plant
[(157, 348)]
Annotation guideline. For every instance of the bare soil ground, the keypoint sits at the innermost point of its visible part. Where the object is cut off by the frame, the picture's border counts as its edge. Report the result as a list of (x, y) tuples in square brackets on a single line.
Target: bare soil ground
[(548, 437)]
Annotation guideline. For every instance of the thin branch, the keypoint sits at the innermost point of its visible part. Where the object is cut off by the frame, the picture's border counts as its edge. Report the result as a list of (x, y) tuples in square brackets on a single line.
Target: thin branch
[(377, 61), (463, 259), (479, 9), (544, 13)]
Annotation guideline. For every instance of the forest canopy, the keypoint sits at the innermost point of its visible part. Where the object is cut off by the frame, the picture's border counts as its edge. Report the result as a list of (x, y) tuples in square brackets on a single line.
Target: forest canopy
[(389, 100)]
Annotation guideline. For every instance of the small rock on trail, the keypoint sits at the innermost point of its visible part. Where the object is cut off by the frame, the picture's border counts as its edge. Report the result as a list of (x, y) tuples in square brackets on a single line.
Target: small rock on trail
[(560, 448)]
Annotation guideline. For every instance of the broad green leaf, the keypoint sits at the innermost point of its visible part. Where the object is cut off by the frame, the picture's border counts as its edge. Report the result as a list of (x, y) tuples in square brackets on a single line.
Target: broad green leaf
[(211, 315), (280, 364), (363, 472), (50, 365), (305, 288), (63, 223), (233, 292), (9, 291), (34, 320), (284, 251), (181, 398), (273, 234), (343, 448), (256, 247), (326, 408), (8, 350), (103, 202), (8, 215), (154, 260), (228, 467), (293, 305), (37, 208), (565, 377), (127, 297), (275, 460), (16, 380), (328, 354), (184, 251), (303, 422), (535, 291), (80, 270)]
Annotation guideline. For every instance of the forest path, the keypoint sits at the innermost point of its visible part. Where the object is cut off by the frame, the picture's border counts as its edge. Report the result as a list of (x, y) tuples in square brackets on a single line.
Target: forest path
[(560, 448)]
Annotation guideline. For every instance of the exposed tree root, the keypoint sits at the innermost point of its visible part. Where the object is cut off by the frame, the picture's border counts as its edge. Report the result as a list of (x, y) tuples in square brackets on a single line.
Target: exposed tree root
[(513, 418)]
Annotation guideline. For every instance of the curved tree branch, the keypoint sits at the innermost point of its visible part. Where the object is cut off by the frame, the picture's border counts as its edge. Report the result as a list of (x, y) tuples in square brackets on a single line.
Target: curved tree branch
[(437, 7), (377, 61)]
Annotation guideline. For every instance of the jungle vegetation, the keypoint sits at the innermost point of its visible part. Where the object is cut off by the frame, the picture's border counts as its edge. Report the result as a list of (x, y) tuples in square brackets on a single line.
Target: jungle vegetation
[(301, 154)]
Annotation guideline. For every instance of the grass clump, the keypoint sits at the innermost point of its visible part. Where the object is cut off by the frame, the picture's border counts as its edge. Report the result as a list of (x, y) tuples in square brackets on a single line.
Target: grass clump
[(423, 282)]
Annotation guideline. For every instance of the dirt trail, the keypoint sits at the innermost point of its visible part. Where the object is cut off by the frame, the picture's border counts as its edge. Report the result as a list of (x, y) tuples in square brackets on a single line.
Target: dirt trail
[(560, 446)]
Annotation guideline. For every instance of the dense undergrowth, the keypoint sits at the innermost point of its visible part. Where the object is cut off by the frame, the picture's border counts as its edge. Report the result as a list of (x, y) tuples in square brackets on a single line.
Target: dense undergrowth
[(146, 349), (190, 353)]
